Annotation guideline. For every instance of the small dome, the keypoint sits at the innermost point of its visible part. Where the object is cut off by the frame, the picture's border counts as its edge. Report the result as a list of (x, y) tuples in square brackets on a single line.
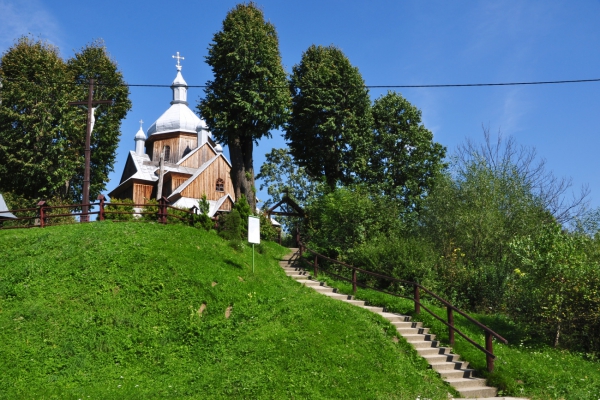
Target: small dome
[(140, 135)]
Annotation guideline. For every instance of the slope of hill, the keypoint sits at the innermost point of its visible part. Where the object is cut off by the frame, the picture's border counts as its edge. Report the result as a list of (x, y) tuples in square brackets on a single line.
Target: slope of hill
[(140, 310)]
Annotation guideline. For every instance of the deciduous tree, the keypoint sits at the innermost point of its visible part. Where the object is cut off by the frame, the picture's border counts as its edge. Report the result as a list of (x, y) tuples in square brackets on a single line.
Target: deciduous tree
[(247, 97), (330, 124)]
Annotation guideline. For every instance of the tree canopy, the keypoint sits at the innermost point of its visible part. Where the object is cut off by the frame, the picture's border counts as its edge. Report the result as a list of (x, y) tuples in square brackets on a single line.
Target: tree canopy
[(42, 137), (330, 124), (247, 97), (404, 160)]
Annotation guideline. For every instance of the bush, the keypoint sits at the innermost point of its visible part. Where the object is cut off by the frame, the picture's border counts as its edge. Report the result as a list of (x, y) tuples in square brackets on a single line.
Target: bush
[(554, 291), (110, 210)]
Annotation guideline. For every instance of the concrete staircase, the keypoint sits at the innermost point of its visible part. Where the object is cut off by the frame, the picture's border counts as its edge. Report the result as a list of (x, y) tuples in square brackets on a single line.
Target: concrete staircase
[(448, 365)]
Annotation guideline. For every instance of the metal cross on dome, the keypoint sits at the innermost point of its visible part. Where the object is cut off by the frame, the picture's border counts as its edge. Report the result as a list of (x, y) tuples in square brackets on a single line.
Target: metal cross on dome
[(141, 123), (178, 57)]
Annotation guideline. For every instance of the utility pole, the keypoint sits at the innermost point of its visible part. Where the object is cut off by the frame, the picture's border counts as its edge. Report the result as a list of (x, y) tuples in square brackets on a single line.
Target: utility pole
[(90, 103)]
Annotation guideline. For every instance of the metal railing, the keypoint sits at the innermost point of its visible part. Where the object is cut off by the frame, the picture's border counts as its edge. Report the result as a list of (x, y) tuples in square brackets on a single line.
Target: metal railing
[(488, 350)]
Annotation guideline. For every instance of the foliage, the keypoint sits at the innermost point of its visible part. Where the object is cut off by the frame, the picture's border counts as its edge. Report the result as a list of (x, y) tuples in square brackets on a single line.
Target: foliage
[(243, 208), (280, 175), (267, 231), (346, 218), (230, 226), (404, 159), (42, 137), (245, 100), (555, 288), (523, 368), (330, 125), (93, 61), (36, 123), (113, 212)]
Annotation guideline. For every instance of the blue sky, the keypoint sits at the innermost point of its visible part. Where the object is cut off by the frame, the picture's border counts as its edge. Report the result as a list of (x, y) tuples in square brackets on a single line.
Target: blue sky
[(391, 42)]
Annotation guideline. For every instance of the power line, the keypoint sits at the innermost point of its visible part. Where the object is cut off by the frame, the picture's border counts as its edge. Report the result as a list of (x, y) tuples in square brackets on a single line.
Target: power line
[(450, 85)]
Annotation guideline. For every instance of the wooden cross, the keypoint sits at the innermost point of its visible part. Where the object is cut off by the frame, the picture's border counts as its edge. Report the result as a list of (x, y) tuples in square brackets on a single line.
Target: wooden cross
[(178, 58), (90, 103)]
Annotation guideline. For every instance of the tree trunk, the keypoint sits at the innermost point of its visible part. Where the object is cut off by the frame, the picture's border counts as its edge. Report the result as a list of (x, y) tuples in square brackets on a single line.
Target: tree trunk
[(240, 151)]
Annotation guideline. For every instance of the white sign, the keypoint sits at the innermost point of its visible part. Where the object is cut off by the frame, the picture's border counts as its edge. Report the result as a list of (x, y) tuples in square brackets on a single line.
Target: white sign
[(254, 230)]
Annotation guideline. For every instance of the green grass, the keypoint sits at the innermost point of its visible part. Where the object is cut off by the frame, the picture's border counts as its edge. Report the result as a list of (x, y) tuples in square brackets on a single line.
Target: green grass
[(522, 367), (110, 310)]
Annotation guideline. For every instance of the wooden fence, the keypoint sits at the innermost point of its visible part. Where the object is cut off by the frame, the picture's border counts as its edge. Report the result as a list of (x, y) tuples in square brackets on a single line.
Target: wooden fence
[(488, 350), (47, 215)]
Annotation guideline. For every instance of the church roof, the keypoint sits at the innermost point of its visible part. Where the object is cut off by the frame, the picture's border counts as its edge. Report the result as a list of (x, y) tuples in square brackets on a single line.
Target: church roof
[(178, 118)]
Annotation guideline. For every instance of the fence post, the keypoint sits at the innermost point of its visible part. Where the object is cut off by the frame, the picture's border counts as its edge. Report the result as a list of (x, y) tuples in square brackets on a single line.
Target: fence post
[(193, 211), (354, 281), (101, 205), (489, 346), (451, 323), (162, 210), (41, 205), (417, 299)]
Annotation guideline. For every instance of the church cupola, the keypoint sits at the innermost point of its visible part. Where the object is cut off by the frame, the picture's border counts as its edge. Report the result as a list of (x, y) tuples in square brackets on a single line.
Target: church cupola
[(179, 86), (140, 140)]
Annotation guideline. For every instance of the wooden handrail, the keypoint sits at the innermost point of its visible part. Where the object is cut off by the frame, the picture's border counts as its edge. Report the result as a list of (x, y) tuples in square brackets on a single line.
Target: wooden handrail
[(489, 333)]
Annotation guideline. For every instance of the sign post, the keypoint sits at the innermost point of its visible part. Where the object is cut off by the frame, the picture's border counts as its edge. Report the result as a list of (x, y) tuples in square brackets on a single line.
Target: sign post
[(253, 234)]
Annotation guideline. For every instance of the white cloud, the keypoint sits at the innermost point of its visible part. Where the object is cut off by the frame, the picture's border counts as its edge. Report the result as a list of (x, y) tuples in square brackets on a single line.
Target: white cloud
[(24, 17)]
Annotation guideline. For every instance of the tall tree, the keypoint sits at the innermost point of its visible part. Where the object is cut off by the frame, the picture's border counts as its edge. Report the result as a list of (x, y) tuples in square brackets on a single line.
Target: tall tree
[(93, 61), (330, 125), (247, 97), (404, 160), (41, 136), (35, 121)]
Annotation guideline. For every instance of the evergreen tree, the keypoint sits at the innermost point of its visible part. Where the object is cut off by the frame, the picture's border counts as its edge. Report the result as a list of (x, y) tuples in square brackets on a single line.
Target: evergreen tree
[(247, 97), (330, 126)]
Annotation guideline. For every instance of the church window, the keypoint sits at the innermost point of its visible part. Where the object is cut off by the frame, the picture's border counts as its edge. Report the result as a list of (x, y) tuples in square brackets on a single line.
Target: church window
[(167, 153), (220, 187)]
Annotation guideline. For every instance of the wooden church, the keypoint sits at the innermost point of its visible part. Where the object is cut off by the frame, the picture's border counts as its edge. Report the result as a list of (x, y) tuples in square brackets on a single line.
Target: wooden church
[(194, 164)]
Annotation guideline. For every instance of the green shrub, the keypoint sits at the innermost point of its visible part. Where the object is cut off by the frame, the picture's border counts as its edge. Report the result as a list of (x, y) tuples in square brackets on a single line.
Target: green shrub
[(554, 290), (110, 210)]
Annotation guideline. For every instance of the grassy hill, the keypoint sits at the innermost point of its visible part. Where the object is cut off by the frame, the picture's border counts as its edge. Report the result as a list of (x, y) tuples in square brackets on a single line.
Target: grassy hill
[(138, 310)]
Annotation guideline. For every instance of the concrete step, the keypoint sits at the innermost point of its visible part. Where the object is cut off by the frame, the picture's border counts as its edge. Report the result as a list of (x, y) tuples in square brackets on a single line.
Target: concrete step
[(407, 324), (445, 360), (413, 337), (323, 289), (338, 296), (295, 272), (477, 392), (424, 344), (394, 317), (464, 383), (445, 365), (358, 303), (434, 351), (408, 331), (456, 373), (373, 309)]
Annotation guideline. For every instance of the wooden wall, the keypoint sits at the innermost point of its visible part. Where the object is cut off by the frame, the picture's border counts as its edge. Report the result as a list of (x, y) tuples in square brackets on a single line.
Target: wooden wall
[(201, 156), (227, 205), (179, 143), (205, 183), (129, 169), (142, 193)]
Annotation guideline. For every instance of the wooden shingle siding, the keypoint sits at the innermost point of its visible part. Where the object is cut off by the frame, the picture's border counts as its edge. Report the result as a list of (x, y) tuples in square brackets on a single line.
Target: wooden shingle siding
[(178, 142), (141, 193), (201, 156), (227, 205), (205, 183)]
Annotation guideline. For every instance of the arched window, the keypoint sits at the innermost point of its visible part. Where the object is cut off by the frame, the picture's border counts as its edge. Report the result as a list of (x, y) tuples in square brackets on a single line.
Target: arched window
[(220, 187), (167, 153)]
